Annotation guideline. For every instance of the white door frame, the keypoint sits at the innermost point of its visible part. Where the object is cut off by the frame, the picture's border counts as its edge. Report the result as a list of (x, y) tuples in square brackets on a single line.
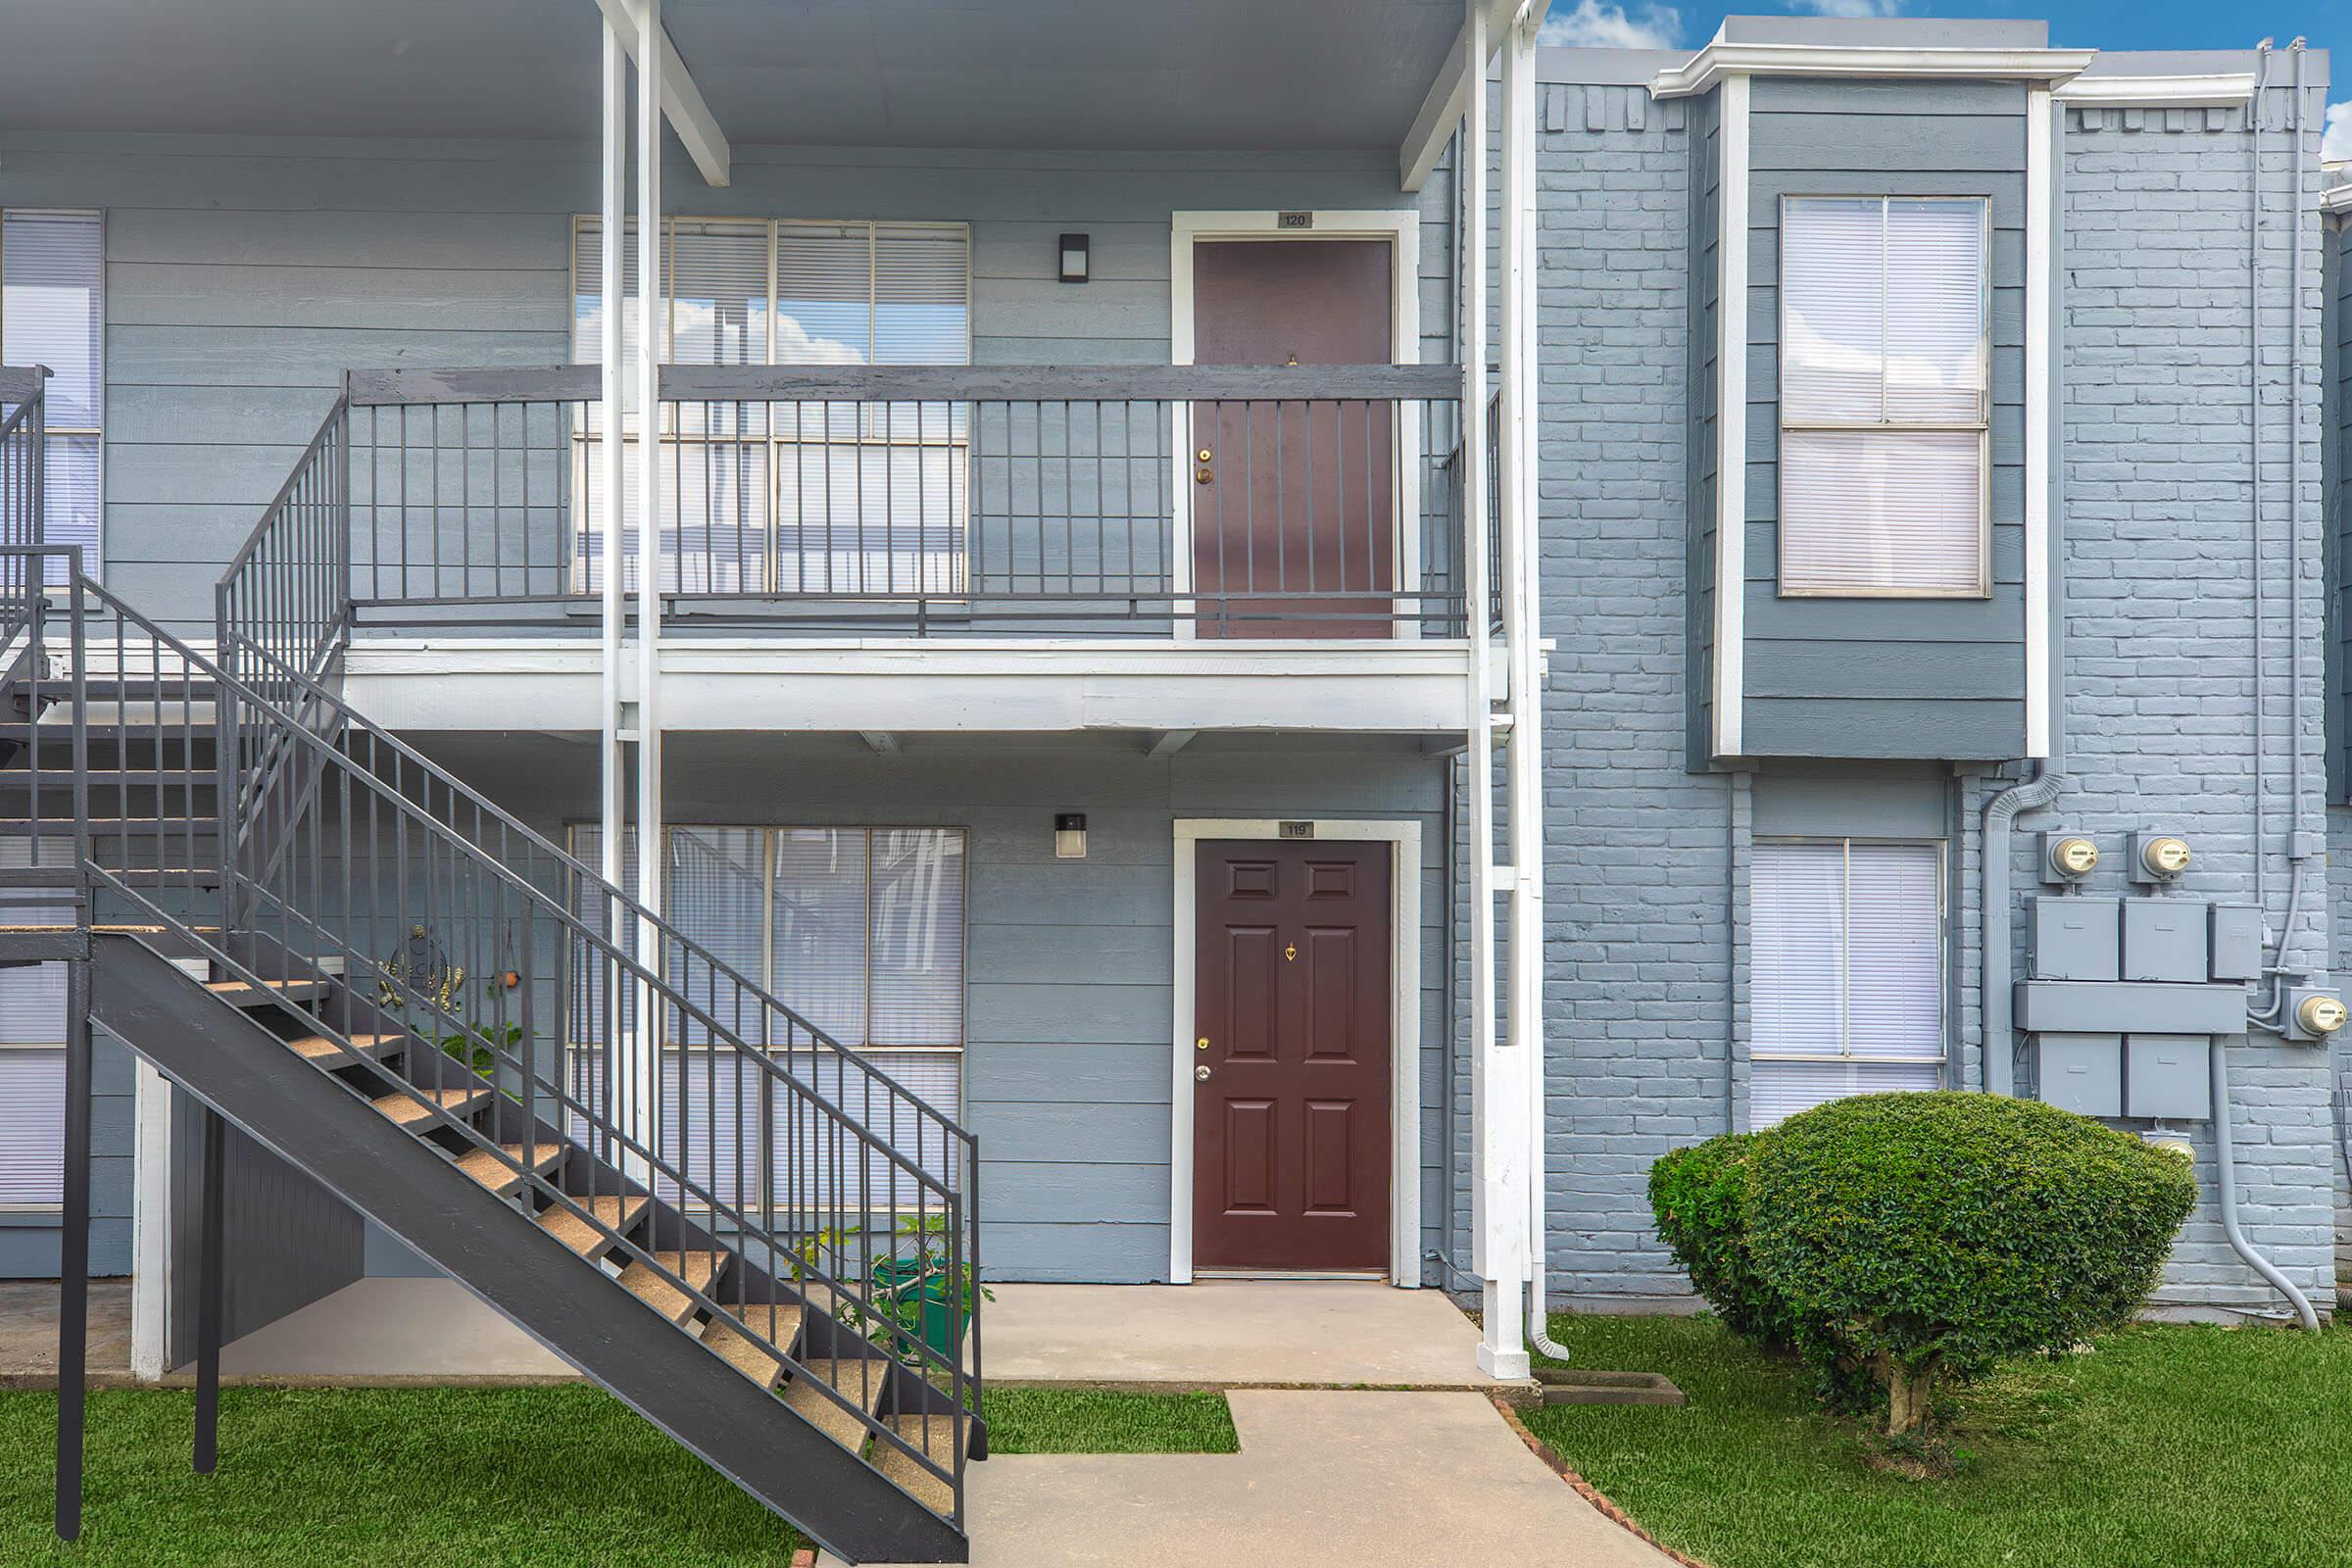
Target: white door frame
[(1402, 227), (1404, 1028)]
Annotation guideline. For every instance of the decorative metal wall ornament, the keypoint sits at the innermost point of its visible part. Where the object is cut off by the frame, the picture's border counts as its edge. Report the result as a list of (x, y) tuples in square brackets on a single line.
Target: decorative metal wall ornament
[(421, 965)]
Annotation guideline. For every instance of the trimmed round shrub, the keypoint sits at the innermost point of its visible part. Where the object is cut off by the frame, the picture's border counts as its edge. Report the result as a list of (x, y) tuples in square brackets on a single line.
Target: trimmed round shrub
[(1699, 1195), (1920, 1238)]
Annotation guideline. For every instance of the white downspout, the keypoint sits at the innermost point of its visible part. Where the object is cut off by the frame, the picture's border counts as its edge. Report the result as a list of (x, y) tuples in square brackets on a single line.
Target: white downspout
[(1522, 636), (613, 762), (644, 1091)]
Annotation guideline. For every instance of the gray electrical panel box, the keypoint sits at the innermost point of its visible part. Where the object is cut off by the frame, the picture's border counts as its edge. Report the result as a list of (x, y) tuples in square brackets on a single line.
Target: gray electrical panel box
[(2237, 942), (2169, 1076), (2081, 1074), (2164, 939), (2074, 938)]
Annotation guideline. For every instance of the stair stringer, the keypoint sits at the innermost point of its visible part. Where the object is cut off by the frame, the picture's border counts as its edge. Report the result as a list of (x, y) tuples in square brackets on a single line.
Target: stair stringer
[(237, 1067)]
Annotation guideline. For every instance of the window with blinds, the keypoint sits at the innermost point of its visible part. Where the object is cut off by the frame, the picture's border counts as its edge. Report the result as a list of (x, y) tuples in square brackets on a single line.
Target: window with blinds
[(798, 498), (1884, 396), (1845, 982), (52, 313), (32, 1063), (859, 930)]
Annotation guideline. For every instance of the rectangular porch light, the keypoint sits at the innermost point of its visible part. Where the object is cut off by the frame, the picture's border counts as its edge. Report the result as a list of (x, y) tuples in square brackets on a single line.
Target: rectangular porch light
[(1069, 836), (1074, 248)]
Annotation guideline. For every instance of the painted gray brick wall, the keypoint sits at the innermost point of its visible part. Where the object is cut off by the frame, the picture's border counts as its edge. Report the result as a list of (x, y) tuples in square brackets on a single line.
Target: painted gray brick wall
[(2162, 564), (1644, 970)]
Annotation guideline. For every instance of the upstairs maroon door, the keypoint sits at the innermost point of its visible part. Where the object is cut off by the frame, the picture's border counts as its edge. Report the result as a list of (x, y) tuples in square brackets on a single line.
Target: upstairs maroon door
[(1290, 1123), (1294, 508)]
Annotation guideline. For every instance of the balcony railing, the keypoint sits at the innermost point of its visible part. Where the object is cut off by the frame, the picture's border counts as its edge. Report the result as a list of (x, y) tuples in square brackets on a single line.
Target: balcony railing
[(1212, 502)]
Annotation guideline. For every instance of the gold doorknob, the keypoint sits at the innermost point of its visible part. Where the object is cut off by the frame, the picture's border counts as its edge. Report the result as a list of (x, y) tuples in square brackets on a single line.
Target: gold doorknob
[(1201, 1072)]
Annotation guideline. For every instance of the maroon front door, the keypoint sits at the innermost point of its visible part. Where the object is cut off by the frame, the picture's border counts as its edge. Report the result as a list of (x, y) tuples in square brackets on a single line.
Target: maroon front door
[(1290, 1127), (1295, 507)]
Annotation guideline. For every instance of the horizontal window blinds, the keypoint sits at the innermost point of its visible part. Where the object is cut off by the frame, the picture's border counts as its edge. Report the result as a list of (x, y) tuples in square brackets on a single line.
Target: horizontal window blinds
[(52, 292), (1884, 387), (33, 1104), (1847, 973)]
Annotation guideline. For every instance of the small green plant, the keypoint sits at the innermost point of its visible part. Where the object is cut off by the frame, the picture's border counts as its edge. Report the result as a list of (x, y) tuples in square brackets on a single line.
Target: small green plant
[(916, 1295), (477, 1046), (1905, 1243)]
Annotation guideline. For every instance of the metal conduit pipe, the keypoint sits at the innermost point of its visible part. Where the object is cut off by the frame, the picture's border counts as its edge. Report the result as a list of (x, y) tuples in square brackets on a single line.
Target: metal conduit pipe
[(2225, 1160), (2000, 1049)]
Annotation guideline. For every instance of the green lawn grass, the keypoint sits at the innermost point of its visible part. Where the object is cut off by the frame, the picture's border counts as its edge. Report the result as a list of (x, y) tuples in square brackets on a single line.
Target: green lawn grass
[(2202, 1448), (500, 1477)]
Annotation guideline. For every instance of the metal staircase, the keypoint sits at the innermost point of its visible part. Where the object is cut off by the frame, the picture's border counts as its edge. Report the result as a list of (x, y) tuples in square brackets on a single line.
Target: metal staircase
[(653, 1166)]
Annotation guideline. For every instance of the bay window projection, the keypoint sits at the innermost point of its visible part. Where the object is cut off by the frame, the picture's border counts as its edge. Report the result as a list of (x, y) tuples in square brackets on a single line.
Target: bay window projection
[(831, 499), (1845, 988), (1884, 396), (857, 930), (52, 313)]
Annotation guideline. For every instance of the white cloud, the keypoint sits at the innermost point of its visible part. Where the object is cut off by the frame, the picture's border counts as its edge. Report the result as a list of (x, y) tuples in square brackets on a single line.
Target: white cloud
[(1600, 24), (2336, 146), (1846, 8)]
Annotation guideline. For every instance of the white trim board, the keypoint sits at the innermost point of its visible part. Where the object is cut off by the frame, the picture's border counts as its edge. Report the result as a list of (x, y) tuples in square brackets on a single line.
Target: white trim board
[(1721, 62), (1729, 695), (2039, 369), (803, 686), (2221, 90), (1401, 226), (1405, 1105)]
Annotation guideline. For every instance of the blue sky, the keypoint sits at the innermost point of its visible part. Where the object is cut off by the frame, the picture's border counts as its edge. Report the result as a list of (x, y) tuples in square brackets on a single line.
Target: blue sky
[(2095, 23)]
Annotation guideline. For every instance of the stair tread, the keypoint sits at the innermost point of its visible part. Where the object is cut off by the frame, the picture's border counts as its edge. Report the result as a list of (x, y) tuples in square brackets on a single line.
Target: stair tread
[(238, 993), (319, 1048), (860, 1382), (781, 1323), (576, 1233), (698, 1269), (403, 1109), (503, 1176), (933, 1437)]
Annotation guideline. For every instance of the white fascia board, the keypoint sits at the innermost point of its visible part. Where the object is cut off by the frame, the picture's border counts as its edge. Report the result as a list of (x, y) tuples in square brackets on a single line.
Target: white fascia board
[(681, 100), (1449, 93), (863, 686), (2225, 90), (1719, 60)]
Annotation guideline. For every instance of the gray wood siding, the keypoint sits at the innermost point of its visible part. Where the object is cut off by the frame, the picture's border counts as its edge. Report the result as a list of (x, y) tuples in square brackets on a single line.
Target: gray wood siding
[(289, 1240), (245, 274), (1892, 678), (1069, 965)]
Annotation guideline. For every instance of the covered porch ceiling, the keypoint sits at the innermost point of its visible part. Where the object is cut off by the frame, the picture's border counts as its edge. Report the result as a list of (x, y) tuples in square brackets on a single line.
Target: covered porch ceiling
[(1081, 75)]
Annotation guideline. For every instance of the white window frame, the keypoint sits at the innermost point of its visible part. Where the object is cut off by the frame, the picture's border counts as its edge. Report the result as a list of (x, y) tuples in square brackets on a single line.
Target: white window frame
[(1844, 1055), (957, 441), (93, 563), (1980, 426)]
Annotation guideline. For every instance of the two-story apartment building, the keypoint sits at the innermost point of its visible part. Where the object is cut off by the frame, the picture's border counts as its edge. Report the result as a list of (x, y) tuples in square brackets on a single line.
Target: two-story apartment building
[(1080, 618)]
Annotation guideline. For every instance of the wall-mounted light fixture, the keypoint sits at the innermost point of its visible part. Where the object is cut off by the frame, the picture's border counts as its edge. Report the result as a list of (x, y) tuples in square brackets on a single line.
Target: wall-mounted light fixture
[(1069, 836), (1074, 258)]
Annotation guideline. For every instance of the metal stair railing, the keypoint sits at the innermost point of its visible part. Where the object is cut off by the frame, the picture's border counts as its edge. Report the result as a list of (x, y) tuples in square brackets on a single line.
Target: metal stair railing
[(870, 1222)]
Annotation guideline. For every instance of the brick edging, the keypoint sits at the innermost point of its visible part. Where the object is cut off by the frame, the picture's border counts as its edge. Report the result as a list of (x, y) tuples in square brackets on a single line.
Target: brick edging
[(1590, 1493)]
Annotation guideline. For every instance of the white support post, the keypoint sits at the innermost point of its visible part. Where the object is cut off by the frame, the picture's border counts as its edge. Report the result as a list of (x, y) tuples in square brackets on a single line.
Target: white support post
[(1496, 1089), (646, 1068), (1522, 632), (613, 761)]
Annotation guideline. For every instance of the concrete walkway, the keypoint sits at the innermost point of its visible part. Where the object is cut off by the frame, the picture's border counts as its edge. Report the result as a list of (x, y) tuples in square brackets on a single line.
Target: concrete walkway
[(1231, 1333), (1335, 1478)]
